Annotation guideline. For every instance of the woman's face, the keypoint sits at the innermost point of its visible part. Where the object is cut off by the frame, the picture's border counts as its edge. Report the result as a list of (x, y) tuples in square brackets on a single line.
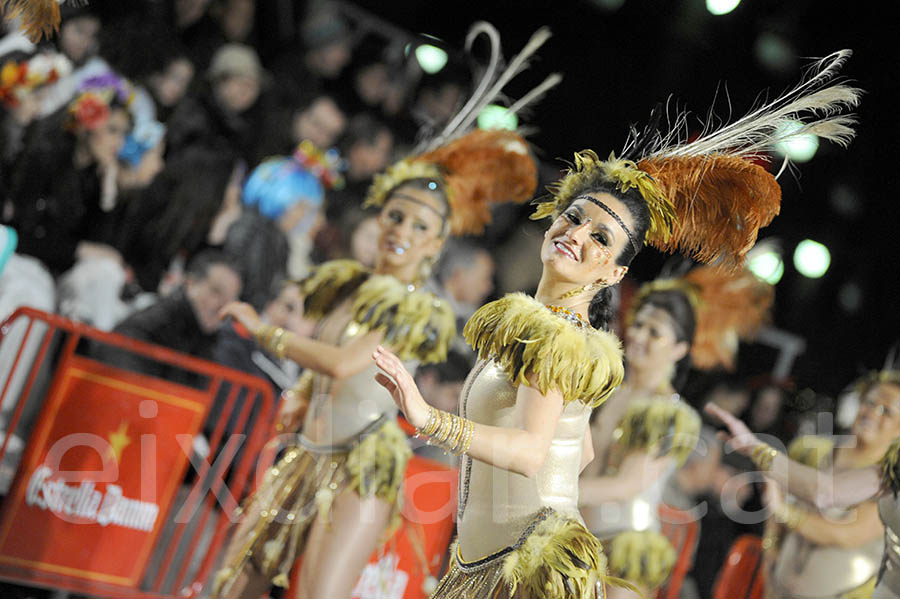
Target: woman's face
[(170, 85), (878, 420), (105, 141), (286, 310), (651, 342), (78, 38), (412, 227), (582, 244)]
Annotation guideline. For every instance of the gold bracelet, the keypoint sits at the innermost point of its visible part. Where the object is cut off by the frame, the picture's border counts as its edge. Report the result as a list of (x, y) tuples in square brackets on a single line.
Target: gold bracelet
[(467, 439), (790, 516), (430, 424), (762, 456), (271, 339)]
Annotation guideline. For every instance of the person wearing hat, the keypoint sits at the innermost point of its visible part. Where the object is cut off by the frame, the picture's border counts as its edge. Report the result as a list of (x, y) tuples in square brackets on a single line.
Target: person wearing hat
[(231, 112)]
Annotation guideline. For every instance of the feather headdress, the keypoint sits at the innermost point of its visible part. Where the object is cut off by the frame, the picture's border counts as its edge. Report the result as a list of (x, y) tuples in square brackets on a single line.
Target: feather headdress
[(475, 168), (706, 198), (38, 17), (728, 306)]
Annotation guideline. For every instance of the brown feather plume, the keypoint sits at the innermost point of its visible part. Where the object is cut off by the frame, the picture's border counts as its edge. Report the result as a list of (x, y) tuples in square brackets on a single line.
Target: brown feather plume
[(720, 202), (733, 306), (482, 168), (39, 17)]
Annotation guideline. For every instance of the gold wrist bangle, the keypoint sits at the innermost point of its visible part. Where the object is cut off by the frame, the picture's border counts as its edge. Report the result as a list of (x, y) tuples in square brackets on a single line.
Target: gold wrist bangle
[(462, 448), (790, 516), (762, 456), (430, 424)]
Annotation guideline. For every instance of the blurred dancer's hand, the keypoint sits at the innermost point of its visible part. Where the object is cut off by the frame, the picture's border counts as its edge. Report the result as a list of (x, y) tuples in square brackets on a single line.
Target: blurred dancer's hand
[(244, 314), (738, 435), (397, 380)]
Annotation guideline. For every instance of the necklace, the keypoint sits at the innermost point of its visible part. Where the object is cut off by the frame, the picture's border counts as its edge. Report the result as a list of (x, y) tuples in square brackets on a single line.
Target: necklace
[(574, 317)]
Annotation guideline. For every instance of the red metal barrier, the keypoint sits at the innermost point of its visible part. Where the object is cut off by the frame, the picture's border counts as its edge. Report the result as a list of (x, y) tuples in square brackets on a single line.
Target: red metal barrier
[(109, 497), (742, 576), (681, 528)]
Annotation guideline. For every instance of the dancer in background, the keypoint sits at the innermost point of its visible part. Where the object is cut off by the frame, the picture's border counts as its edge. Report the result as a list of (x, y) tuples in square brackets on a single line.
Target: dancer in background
[(814, 558), (645, 431), (523, 414), (336, 494)]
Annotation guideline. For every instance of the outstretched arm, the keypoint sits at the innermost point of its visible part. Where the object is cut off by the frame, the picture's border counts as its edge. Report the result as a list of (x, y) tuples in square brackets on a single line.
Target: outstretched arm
[(521, 449), (331, 360), (822, 489)]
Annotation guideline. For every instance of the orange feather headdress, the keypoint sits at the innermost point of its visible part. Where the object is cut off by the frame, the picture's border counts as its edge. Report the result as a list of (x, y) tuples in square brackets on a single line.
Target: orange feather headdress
[(707, 199), (475, 168), (38, 17), (728, 305)]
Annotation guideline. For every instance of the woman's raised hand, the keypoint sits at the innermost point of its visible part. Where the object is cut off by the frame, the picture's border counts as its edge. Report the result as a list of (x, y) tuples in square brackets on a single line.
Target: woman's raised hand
[(738, 435), (397, 380), (244, 314)]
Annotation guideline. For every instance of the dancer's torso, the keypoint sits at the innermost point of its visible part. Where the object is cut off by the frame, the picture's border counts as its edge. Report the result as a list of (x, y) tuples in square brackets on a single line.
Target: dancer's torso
[(339, 409), (889, 510), (806, 569), (496, 505)]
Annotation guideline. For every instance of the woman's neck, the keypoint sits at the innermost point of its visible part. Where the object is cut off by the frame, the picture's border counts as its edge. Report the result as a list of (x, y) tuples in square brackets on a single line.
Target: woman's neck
[(654, 381), (404, 274), (861, 454), (551, 292)]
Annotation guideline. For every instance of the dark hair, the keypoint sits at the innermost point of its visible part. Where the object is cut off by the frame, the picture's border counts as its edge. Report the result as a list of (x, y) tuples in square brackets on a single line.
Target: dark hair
[(458, 253), (365, 128), (199, 265), (452, 370), (676, 304)]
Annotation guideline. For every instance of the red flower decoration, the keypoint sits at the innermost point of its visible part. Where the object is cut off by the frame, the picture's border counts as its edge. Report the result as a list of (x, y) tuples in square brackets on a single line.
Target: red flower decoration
[(90, 111)]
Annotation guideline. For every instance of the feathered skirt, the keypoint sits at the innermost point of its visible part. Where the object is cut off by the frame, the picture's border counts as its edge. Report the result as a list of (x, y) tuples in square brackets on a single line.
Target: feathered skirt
[(555, 558), (303, 485), (644, 558)]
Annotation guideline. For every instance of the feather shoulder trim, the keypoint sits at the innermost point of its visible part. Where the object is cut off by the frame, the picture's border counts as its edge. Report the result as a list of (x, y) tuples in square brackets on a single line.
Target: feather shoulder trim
[(669, 427), (416, 324), (890, 468), (524, 337), (811, 450), (330, 283)]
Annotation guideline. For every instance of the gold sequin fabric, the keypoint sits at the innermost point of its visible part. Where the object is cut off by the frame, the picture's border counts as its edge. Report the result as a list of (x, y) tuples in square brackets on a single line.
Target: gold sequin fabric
[(303, 485)]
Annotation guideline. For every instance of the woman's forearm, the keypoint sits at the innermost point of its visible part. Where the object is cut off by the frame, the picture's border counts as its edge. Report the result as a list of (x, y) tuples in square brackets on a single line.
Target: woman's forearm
[(825, 489), (331, 360)]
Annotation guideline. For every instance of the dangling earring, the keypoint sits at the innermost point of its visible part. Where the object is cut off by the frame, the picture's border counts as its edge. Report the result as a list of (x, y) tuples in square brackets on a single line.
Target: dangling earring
[(425, 268)]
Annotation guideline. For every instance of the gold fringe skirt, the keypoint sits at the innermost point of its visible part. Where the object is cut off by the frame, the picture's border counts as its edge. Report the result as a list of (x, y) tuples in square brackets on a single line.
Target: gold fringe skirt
[(645, 558), (303, 485), (555, 558)]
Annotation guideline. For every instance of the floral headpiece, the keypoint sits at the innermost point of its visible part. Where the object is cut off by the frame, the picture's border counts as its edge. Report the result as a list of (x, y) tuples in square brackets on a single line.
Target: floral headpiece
[(20, 78), (325, 165), (90, 108)]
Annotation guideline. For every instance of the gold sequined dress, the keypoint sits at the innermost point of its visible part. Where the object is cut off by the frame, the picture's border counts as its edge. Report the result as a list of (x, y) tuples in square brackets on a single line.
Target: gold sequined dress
[(350, 438), (519, 535), (631, 530)]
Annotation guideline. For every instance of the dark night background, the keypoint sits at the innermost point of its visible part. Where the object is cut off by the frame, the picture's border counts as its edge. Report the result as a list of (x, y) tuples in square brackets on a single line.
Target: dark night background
[(618, 63)]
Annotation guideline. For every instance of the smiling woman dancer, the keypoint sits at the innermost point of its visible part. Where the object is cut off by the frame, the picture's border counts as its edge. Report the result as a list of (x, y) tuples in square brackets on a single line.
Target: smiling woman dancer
[(523, 414), (841, 486), (336, 494)]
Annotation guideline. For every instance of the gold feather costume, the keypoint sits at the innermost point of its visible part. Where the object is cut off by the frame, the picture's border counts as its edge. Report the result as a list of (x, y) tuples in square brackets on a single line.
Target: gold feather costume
[(523, 536), (350, 438), (802, 567)]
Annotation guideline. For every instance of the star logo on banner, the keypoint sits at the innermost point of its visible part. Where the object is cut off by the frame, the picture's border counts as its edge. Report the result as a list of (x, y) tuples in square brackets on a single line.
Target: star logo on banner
[(118, 440)]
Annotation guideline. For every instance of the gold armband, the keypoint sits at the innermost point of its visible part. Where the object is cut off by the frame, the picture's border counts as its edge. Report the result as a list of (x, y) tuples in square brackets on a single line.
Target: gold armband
[(762, 456), (272, 339)]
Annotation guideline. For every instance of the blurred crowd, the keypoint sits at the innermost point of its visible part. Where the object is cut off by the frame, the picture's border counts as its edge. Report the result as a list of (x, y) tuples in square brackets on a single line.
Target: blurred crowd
[(135, 150)]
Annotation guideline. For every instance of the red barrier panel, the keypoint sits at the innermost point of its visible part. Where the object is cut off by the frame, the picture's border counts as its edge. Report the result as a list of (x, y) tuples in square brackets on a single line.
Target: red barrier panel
[(109, 497), (681, 528), (742, 576)]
